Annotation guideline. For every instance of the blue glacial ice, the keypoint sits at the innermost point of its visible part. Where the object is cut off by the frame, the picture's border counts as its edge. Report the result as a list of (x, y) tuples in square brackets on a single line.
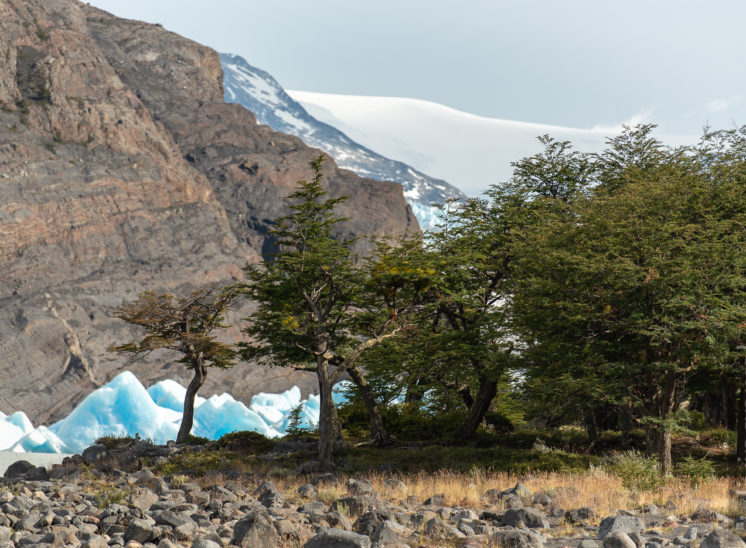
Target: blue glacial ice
[(123, 407)]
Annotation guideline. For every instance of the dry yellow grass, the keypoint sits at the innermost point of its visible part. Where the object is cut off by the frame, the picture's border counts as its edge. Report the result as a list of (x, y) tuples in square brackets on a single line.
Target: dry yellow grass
[(596, 488)]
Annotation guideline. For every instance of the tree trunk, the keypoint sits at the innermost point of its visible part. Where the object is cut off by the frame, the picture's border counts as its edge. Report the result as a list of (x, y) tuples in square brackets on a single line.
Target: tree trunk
[(378, 434), (326, 415), (589, 420), (664, 452), (741, 429), (665, 406), (187, 420), (485, 394)]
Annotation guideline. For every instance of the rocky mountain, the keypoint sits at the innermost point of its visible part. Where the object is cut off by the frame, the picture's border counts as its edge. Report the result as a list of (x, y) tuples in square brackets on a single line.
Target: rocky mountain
[(122, 170), (264, 96)]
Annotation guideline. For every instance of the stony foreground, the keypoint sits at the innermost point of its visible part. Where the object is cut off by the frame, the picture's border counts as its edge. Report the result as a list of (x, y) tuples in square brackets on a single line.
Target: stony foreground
[(89, 502)]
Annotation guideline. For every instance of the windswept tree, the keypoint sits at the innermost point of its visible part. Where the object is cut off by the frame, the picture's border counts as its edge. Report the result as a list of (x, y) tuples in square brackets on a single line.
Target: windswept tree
[(314, 312), (183, 325)]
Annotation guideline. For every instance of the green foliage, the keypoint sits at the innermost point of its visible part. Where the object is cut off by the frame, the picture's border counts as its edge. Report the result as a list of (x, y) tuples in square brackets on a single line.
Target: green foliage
[(196, 440), (295, 429), (631, 287), (181, 324), (695, 469), (718, 437), (245, 442), (637, 471), (199, 463), (116, 442)]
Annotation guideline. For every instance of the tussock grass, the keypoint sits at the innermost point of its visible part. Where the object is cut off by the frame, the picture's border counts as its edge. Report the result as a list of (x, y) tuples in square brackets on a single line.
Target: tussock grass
[(596, 488)]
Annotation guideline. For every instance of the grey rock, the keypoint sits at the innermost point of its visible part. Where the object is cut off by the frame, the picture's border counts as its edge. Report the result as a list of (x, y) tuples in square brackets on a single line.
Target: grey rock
[(436, 500), (141, 531), (519, 490), (543, 499), (28, 521), (721, 538), (512, 502), (622, 524), (580, 515), (18, 469), (618, 539), (95, 541), (525, 517), (205, 543), (313, 508), (255, 531), (517, 539), (439, 529), (308, 491), (142, 498), (389, 532), (366, 524), (359, 487), (335, 538), (94, 453), (339, 521), (356, 505), (172, 519), (587, 543)]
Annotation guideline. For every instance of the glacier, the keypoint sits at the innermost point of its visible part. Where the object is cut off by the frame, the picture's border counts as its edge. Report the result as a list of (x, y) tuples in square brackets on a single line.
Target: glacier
[(259, 92), (124, 407)]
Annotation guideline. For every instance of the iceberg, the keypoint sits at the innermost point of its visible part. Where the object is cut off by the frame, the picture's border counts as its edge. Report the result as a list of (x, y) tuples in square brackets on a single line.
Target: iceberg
[(120, 408), (123, 407)]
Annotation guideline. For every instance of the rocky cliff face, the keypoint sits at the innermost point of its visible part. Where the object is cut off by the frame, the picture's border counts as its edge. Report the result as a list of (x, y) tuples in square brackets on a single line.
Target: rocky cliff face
[(121, 169)]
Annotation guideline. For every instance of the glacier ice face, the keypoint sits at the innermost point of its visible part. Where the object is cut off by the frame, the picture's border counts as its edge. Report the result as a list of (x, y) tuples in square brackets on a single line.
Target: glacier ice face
[(123, 407)]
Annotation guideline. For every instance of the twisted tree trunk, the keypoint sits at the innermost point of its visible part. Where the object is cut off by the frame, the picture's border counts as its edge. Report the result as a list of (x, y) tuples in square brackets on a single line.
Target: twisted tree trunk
[(187, 420)]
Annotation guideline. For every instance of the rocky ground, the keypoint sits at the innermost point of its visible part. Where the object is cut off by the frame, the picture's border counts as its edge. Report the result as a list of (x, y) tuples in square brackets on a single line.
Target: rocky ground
[(109, 498)]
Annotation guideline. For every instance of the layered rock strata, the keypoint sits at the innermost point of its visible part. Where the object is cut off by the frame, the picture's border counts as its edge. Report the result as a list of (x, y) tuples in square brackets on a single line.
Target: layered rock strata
[(122, 170)]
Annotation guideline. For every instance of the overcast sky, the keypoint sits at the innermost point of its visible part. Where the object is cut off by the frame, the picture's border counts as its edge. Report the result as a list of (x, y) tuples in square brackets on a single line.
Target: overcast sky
[(579, 63)]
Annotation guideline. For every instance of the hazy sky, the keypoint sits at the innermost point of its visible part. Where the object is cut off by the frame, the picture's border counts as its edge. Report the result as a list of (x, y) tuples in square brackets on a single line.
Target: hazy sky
[(580, 63)]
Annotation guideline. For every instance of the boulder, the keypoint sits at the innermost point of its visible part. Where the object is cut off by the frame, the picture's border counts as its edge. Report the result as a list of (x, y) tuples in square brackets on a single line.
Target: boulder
[(618, 539), (336, 538), (255, 531), (525, 517), (721, 538), (621, 524)]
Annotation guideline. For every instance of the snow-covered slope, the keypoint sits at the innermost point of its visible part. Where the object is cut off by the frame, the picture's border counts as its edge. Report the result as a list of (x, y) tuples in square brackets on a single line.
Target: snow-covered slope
[(472, 152), (260, 93)]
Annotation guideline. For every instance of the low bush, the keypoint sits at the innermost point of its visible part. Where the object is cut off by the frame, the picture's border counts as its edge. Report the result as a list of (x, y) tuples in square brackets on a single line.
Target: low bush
[(637, 471), (696, 470), (246, 442)]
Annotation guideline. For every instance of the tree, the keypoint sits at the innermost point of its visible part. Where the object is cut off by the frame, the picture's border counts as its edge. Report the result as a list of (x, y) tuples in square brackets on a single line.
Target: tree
[(314, 313), (638, 284), (183, 325)]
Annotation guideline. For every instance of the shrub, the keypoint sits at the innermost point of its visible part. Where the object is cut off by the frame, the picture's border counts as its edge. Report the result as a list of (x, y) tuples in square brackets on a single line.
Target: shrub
[(121, 441), (195, 440), (696, 470), (246, 442), (637, 472), (719, 436)]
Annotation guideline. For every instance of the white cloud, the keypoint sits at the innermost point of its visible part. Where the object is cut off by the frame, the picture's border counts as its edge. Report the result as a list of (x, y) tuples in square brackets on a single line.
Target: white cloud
[(640, 117), (721, 105)]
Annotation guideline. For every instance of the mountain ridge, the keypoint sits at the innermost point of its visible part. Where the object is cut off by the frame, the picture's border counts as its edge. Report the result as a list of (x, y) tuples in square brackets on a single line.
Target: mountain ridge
[(258, 91), (123, 170)]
